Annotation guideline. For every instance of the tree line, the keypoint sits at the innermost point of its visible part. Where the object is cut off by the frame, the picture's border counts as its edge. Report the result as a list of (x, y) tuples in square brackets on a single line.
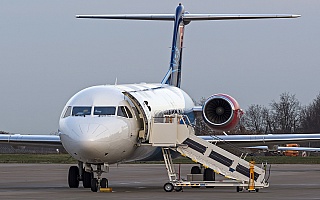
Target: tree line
[(286, 115)]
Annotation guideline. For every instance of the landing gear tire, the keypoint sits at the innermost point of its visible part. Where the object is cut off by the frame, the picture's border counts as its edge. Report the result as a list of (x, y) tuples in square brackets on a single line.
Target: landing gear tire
[(168, 187), (87, 176), (178, 189), (73, 177), (104, 183), (195, 170), (209, 175), (94, 185), (239, 189)]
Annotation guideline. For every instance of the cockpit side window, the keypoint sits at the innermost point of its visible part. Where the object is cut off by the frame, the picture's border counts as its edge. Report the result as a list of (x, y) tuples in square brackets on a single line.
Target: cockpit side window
[(109, 110), (122, 112), (67, 112), (128, 112), (81, 111)]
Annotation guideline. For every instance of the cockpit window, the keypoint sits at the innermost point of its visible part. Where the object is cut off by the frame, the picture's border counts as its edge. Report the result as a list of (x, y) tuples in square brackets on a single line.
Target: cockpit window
[(128, 112), (81, 111), (67, 112), (123, 111), (110, 110)]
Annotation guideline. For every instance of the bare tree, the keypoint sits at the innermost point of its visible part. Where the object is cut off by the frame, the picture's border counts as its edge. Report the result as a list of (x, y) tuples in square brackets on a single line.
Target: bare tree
[(285, 114), (200, 102), (310, 116), (4, 132), (255, 119)]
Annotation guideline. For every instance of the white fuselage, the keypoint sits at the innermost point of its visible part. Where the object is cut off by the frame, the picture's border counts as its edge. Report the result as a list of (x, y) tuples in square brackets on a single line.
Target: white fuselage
[(100, 124)]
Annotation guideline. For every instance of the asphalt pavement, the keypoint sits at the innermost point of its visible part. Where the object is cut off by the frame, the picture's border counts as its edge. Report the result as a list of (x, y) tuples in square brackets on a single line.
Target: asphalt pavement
[(145, 181)]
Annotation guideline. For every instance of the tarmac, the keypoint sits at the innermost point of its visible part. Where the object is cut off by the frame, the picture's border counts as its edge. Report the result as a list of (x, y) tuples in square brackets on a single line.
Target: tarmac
[(145, 181)]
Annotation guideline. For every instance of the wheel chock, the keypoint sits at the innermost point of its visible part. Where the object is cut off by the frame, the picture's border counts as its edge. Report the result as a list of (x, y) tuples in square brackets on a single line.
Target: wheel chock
[(105, 189)]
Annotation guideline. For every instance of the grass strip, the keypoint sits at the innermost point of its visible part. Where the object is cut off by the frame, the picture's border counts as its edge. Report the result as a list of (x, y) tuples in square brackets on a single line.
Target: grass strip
[(37, 158)]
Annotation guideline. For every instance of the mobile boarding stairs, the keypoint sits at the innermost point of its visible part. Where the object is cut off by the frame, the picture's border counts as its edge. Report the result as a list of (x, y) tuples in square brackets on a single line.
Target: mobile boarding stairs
[(174, 132)]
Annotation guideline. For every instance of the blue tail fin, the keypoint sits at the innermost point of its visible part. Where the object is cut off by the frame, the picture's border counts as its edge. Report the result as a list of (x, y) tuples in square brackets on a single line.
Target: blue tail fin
[(173, 76)]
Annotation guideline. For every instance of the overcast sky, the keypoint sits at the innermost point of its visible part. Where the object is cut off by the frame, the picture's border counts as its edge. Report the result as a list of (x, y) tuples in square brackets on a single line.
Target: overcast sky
[(47, 55)]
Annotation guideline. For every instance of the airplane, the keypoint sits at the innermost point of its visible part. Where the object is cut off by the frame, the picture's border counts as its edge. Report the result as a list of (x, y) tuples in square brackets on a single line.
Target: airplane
[(281, 148), (107, 124)]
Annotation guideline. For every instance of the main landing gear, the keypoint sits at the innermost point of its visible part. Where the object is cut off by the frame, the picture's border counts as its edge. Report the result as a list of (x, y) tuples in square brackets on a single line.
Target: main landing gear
[(86, 175), (208, 175)]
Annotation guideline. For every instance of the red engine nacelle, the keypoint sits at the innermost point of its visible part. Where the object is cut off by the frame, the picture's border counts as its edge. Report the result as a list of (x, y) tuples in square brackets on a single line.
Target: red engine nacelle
[(221, 112)]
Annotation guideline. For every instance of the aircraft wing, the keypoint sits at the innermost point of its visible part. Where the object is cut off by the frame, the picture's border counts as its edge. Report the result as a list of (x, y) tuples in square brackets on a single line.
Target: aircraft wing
[(163, 17), (31, 140), (220, 140), (311, 149), (194, 17), (255, 140), (188, 17)]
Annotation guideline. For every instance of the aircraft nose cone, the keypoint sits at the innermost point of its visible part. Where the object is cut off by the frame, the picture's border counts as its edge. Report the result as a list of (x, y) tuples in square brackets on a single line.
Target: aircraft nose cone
[(92, 130), (96, 141)]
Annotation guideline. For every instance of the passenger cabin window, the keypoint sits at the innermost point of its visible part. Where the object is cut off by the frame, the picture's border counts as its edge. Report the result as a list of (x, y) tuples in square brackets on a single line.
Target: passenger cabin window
[(123, 111), (67, 112), (109, 110), (81, 111)]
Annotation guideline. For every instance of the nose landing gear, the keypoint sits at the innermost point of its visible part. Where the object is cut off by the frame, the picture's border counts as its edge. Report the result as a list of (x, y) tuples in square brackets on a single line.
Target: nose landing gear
[(98, 183), (91, 178)]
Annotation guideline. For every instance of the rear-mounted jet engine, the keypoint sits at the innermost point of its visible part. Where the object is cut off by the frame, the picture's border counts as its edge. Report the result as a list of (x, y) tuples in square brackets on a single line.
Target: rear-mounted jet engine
[(221, 112)]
